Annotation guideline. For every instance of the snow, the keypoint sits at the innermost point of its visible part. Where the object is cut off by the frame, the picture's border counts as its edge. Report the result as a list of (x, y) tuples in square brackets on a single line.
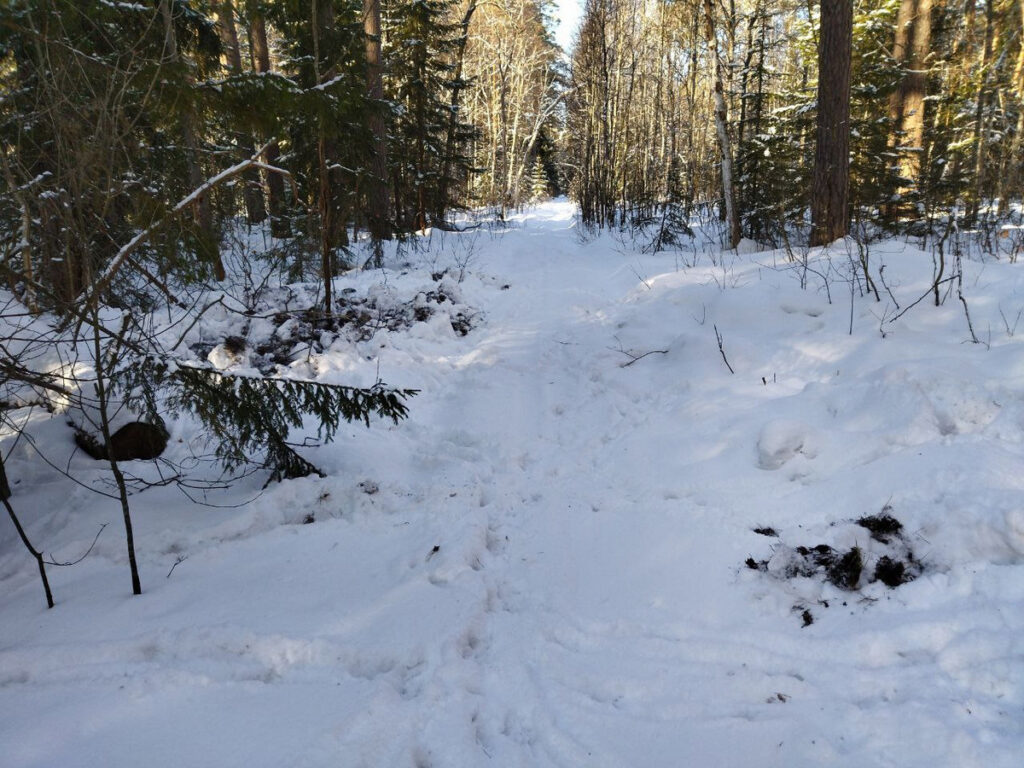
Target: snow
[(544, 565)]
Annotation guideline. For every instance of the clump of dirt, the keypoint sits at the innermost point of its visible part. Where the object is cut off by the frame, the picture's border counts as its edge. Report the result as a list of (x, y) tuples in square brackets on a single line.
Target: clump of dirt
[(845, 572), (843, 569), (891, 572), (887, 557), (882, 526)]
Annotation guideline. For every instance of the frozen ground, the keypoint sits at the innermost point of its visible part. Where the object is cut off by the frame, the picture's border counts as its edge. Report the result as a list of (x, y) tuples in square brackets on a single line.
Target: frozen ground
[(544, 566)]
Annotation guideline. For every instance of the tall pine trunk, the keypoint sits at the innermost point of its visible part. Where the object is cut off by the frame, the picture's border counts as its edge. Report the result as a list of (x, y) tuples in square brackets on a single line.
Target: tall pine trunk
[(830, 186), (378, 220), (906, 107), (252, 190), (984, 81), (279, 224), (203, 211)]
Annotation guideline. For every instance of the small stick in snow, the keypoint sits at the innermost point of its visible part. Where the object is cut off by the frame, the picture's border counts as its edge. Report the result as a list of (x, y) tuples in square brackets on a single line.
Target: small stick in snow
[(632, 357), (722, 349), (641, 357), (181, 559)]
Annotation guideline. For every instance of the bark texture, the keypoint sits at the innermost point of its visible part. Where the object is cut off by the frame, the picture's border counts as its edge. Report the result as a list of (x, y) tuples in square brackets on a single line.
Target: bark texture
[(830, 187)]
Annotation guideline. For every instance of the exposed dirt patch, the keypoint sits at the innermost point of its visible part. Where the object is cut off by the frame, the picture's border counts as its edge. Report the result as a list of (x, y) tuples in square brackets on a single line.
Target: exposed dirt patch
[(882, 526), (887, 558)]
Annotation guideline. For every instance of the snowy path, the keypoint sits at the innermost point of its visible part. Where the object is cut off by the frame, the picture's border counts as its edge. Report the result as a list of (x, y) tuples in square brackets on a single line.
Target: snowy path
[(544, 565)]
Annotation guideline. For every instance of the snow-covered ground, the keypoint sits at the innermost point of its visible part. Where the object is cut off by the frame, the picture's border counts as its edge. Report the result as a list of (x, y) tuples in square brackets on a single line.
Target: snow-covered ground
[(545, 564)]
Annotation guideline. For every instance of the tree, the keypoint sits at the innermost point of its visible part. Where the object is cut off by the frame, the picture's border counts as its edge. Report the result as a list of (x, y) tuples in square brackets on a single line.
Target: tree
[(830, 215), (378, 204), (279, 223), (107, 227), (732, 214), (422, 43), (907, 105), (252, 191)]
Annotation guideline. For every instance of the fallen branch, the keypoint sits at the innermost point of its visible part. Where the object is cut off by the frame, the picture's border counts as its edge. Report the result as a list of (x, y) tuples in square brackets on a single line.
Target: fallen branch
[(634, 357), (641, 357)]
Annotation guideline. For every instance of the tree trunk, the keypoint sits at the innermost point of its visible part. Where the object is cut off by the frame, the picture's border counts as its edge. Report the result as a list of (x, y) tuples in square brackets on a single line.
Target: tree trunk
[(830, 188), (252, 193), (979, 114), (203, 212), (722, 128), (906, 107), (279, 224), (450, 144), (318, 19), (378, 220)]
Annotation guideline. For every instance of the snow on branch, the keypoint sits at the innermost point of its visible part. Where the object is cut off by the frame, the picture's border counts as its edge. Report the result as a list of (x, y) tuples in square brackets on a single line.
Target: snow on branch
[(89, 294)]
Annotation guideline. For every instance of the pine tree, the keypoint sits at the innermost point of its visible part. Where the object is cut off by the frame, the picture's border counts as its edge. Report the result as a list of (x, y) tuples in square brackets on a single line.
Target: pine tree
[(830, 214), (421, 46), (538, 181)]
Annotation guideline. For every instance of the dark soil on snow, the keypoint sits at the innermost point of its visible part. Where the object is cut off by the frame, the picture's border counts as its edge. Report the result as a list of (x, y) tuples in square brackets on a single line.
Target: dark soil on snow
[(891, 560)]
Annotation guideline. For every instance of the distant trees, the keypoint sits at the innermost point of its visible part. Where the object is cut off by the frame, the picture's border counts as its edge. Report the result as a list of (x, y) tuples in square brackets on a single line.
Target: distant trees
[(634, 151), (513, 99), (659, 88)]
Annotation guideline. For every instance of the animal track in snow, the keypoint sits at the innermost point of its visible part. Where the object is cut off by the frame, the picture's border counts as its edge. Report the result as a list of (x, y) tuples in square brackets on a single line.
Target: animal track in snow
[(781, 440)]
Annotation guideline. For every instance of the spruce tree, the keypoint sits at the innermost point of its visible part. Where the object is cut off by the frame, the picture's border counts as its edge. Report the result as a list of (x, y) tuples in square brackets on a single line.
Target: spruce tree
[(422, 43)]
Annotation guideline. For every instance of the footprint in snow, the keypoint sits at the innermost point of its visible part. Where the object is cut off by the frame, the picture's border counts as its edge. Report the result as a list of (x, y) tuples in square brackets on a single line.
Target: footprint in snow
[(781, 440)]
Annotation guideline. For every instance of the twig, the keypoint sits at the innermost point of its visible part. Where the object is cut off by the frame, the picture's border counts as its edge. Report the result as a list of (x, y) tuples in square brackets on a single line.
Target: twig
[(881, 276), (76, 562), (639, 277), (632, 357), (1010, 331), (922, 298), (181, 559), (4, 499), (721, 349), (960, 294), (641, 357)]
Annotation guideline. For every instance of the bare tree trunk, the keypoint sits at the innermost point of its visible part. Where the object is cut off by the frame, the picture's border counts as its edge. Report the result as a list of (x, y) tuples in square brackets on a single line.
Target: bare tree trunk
[(379, 225), (907, 105), (279, 224), (5, 495), (450, 144), (1013, 175), (830, 188), (252, 193), (722, 128), (326, 210), (102, 404), (979, 113), (203, 210)]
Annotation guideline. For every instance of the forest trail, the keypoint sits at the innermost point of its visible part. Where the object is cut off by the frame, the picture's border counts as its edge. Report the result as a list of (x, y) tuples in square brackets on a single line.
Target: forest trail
[(615, 631), (545, 564)]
